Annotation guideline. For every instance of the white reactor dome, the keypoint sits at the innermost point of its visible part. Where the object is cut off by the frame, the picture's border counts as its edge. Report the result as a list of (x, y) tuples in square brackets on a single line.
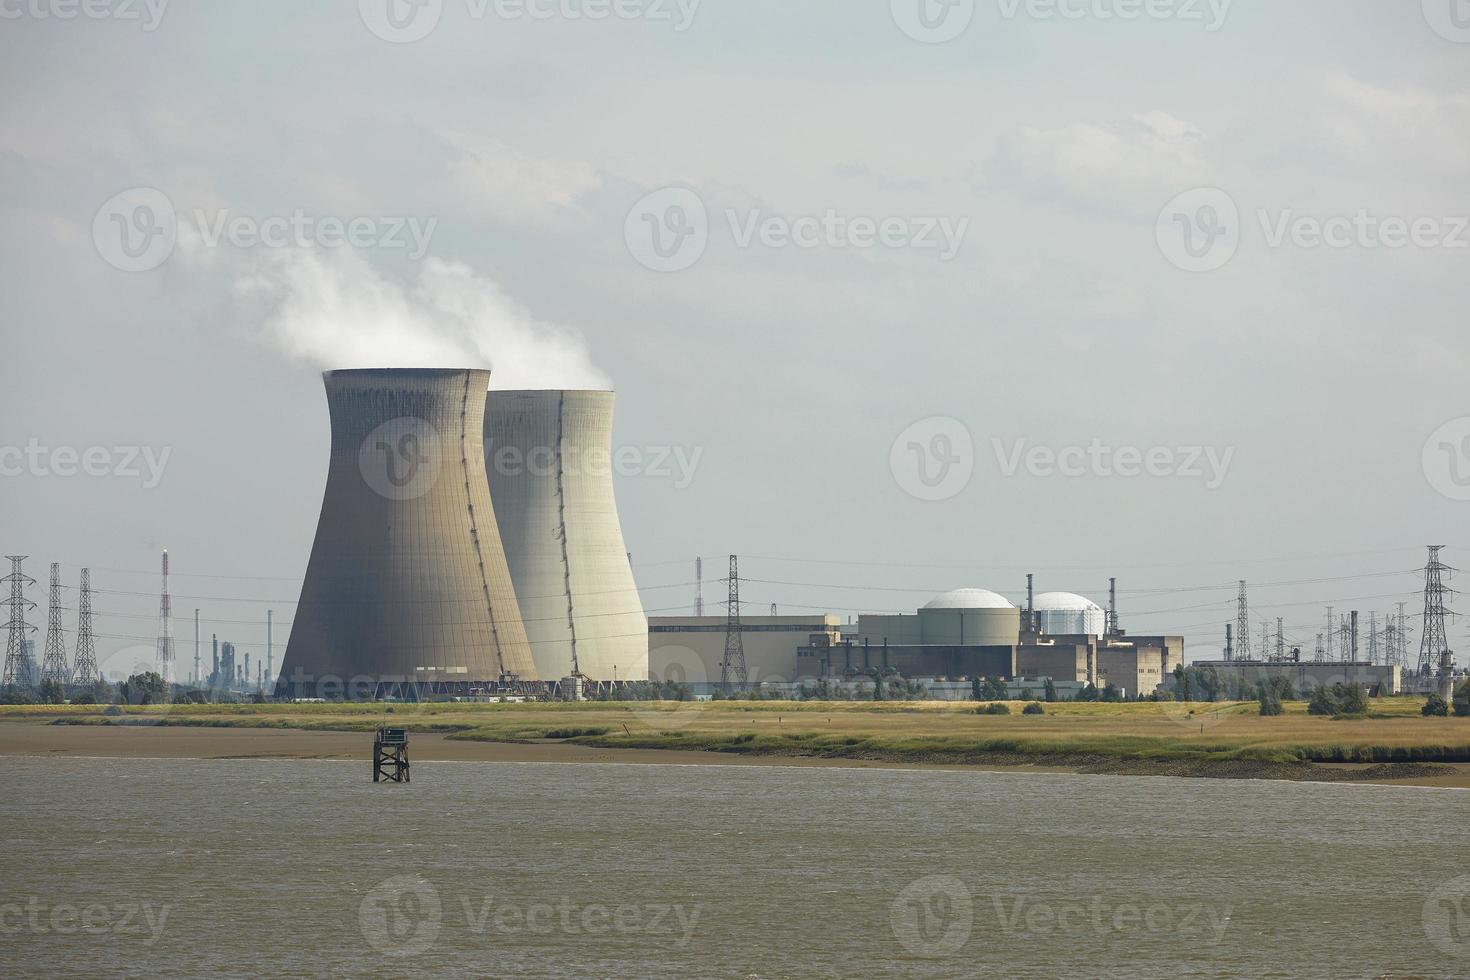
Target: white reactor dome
[(969, 599), (1069, 614)]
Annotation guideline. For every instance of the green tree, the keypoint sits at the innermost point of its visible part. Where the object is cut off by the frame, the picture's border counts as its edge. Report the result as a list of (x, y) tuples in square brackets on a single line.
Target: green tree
[(1050, 691), (1435, 706), (1354, 700), (1034, 708), (1322, 702), (51, 692), (1270, 701), (994, 708), (1462, 700), (1111, 693), (975, 693)]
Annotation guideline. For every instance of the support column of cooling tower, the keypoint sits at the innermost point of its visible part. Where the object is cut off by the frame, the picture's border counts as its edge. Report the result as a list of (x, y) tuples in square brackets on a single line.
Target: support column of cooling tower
[(17, 664), (561, 527), (732, 667), (1242, 626), (53, 664), (85, 670), (1433, 642)]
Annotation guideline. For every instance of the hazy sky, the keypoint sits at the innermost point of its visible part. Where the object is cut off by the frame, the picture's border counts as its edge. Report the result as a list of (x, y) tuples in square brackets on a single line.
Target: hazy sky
[(865, 267)]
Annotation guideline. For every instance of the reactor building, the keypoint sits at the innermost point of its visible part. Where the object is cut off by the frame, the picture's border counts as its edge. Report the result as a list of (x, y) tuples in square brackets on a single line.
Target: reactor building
[(549, 455), (407, 592)]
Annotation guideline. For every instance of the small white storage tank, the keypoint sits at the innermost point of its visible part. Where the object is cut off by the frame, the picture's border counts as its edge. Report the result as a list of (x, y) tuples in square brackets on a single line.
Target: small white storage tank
[(1068, 614)]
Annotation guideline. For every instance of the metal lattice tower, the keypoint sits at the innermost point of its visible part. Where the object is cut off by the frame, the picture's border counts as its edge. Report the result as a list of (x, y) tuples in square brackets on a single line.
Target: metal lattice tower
[(1345, 640), (1242, 626), (1403, 637), (166, 629), (699, 586), (1265, 640), (732, 667), (1330, 631), (1318, 656), (1373, 638), (53, 663), (86, 671), (17, 663), (1280, 641), (1434, 641)]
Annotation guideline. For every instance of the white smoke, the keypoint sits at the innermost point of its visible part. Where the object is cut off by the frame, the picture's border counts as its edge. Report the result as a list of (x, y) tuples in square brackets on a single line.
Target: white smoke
[(331, 308)]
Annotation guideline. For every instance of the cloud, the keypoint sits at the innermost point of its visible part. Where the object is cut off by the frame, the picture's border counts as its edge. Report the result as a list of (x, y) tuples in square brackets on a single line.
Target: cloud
[(1105, 165), (332, 309)]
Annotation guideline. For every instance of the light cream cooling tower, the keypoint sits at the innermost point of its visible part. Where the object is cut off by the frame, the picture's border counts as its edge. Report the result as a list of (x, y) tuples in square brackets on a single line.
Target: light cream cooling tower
[(549, 455)]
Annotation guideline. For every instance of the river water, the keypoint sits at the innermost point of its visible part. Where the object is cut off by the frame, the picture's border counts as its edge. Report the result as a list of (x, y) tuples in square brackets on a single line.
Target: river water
[(306, 868)]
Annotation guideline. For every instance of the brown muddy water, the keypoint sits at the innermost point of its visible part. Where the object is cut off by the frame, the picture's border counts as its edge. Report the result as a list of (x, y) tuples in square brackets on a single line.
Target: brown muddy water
[(253, 868)]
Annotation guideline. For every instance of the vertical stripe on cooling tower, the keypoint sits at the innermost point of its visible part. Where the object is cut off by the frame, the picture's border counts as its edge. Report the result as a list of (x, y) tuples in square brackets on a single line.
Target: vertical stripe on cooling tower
[(561, 527), (469, 497)]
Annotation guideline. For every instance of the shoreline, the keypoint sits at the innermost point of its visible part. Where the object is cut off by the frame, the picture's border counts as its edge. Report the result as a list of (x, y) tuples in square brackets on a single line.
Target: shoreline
[(163, 742)]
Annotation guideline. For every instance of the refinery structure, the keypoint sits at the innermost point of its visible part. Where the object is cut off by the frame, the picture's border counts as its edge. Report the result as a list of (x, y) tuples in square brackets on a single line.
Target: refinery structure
[(469, 546)]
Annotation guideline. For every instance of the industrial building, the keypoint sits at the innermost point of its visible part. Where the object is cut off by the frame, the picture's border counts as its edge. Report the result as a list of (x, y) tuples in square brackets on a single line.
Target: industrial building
[(690, 649), (963, 633), (1304, 677), (549, 455), (407, 589)]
